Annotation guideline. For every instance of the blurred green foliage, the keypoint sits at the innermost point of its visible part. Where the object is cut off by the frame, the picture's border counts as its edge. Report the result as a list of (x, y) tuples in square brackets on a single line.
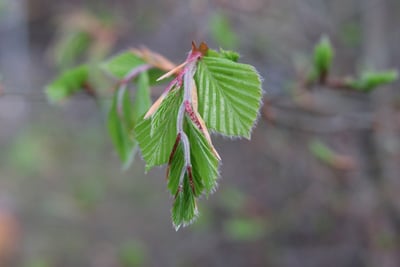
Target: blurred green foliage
[(350, 33), (38, 263), (83, 36), (3, 7), (67, 84), (322, 151), (222, 32), (244, 229), (371, 80), (322, 59), (70, 47), (88, 192), (132, 254), (232, 199), (28, 154)]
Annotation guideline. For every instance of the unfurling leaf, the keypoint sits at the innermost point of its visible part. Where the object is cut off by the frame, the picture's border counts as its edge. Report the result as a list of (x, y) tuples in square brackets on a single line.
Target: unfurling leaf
[(201, 175), (323, 55), (68, 83)]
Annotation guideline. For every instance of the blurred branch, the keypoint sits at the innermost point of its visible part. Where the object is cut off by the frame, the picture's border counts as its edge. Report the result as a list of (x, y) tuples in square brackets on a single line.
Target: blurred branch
[(300, 120)]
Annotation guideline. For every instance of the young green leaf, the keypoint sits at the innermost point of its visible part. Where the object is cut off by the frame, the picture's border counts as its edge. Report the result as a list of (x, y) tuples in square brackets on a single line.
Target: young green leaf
[(68, 83), (323, 54), (371, 80), (229, 95)]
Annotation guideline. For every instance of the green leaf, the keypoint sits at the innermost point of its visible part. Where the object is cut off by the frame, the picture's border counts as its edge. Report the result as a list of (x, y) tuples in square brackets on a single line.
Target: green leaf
[(120, 126), (68, 83), (120, 65), (371, 80), (229, 95), (323, 54), (156, 135)]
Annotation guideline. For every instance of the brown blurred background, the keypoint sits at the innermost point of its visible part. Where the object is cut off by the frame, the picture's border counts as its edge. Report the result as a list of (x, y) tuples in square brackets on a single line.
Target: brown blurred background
[(64, 200)]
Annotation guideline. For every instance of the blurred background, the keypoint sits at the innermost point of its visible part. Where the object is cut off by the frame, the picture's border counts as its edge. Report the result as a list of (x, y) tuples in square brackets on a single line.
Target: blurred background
[(316, 186)]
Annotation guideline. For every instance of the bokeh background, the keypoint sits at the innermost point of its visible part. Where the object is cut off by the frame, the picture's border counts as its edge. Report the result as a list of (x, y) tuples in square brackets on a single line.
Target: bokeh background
[(318, 184)]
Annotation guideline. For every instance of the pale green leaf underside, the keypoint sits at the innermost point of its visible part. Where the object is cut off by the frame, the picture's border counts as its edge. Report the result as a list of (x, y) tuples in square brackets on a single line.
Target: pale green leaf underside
[(229, 95), (142, 100), (156, 135), (120, 65), (119, 128)]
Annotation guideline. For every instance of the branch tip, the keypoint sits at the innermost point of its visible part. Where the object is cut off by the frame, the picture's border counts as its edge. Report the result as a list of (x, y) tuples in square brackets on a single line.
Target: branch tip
[(203, 48)]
